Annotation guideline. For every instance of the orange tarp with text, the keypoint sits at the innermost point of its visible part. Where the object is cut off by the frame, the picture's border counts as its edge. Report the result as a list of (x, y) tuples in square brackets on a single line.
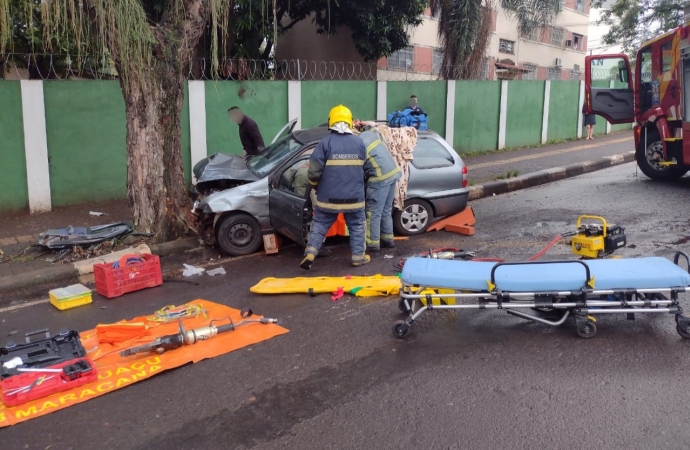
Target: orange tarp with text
[(115, 372)]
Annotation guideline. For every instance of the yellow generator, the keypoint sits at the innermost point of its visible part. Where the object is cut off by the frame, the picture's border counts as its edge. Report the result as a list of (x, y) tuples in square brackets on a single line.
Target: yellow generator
[(597, 239)]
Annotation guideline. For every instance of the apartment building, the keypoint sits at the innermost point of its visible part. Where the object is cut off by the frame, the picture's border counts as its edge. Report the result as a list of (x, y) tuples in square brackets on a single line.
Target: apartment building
[(555, 53)]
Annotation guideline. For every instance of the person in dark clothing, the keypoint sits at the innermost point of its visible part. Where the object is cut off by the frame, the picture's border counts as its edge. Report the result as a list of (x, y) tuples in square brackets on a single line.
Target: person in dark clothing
[(336, 171), (414, 106), (250, 136), (590, 122)]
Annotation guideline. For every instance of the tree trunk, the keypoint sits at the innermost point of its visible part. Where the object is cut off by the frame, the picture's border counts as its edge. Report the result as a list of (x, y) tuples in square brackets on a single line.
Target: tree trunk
[(153, 97), (155, 176)]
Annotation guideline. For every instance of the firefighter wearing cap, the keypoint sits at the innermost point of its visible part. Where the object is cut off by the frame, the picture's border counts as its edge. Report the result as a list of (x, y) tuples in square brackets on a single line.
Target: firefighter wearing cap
[(336, 171)]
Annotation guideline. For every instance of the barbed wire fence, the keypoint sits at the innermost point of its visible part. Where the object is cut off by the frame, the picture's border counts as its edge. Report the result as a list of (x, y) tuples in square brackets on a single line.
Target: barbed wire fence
[(63, 66)]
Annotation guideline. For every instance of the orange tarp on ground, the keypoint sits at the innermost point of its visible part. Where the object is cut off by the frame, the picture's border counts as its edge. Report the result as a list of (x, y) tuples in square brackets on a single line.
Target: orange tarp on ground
[(115, 372)]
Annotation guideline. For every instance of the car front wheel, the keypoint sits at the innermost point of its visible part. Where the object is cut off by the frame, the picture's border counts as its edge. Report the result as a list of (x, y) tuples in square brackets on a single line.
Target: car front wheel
[(415, 218), (238, 234)]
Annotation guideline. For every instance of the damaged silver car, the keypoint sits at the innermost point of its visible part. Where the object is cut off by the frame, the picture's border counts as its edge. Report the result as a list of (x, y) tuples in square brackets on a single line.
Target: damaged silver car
[(239, 199)]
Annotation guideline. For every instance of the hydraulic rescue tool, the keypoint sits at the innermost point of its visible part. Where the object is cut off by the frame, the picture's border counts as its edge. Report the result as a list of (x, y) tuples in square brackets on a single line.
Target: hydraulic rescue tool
[(190, 337)]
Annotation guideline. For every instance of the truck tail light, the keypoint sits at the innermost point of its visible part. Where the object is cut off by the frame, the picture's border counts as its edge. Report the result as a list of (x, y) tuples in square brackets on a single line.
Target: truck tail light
[(464, 176)]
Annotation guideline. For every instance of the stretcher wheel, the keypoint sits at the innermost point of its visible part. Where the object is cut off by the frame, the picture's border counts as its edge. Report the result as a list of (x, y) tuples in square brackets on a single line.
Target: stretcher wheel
[(403, 306), (401, 329), (587, 330), (684, 334)]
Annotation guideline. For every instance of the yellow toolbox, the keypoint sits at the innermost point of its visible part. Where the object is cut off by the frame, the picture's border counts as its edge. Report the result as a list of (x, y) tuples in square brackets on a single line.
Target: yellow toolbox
[(70, 296)]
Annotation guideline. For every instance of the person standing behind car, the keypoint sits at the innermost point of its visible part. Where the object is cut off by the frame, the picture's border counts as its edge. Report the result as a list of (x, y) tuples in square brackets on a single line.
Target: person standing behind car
[(382, 174), (250, 136), (413, 104), (336, 171)]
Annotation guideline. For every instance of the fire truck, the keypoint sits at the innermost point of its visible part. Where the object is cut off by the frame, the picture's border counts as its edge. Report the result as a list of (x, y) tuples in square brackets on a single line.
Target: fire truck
[(656, 100)]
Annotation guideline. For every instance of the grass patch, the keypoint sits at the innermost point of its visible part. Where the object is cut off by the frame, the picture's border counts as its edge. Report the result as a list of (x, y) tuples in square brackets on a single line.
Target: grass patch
[(509, 174)]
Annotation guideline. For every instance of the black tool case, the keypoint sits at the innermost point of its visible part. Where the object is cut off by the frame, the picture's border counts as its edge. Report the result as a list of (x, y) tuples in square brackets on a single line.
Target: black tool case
[(42, 352), (615, 238)]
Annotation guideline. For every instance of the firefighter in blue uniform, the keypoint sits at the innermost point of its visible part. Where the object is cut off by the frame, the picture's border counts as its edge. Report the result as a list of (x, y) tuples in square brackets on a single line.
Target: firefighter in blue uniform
[(336, 171)]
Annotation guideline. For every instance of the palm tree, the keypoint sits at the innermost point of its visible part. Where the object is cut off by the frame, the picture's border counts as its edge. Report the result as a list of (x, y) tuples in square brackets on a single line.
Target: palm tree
[(465, 29)]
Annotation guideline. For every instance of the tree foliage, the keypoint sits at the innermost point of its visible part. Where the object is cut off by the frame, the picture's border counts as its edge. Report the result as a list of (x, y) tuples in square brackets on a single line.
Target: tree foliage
[(633, 22), (378, 27)]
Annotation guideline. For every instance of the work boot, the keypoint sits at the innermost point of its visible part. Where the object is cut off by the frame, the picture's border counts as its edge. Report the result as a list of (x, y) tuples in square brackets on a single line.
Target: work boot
[(360, 260), (387, 244), (373, 248), (307, 261), (309, 255)]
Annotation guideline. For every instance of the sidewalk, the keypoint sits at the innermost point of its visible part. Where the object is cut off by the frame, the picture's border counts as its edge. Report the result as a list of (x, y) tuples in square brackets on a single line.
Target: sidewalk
[(19, 232), (483, 168)]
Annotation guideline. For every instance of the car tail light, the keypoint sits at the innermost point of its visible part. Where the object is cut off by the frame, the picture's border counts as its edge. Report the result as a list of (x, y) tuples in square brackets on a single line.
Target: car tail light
[(464, 176)]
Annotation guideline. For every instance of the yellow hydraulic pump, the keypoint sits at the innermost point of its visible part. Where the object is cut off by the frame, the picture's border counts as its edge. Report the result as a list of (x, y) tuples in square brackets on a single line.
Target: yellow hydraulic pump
[(596, 240)]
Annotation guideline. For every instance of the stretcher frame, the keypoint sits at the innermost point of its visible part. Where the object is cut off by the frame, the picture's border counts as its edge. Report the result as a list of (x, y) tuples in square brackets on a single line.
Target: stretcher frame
[(584, 304)]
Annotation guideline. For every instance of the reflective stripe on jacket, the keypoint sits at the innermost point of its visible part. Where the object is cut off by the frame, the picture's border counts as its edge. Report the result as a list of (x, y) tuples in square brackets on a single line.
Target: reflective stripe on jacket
[(379, 165), (336, 169)]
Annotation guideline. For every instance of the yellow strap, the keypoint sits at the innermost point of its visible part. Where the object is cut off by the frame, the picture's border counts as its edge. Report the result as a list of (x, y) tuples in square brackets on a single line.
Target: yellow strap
[(344, 162), (342, 207)]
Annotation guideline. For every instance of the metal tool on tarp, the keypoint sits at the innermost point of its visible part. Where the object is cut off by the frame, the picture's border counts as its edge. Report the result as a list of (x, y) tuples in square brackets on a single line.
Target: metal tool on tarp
[(191, 337)]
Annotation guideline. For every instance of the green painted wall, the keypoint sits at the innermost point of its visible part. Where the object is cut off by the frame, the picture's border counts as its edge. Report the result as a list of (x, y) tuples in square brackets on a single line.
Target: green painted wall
[(318, 97), (563, 113), (264, 101), (431, 95), (13, 191), (85, 124), (477, 112), (525, 113), (186, 143)]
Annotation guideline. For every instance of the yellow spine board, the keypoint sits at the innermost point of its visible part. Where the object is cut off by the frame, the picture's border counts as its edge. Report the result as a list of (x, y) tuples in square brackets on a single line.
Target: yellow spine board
[(371, 286)]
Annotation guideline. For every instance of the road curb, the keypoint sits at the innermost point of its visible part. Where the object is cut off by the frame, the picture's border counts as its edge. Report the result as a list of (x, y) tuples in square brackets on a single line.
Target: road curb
[(39, 281), (547, 176)]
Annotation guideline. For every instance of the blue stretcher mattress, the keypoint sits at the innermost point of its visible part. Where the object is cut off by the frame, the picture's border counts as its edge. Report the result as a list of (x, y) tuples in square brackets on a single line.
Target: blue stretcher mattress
[(633, 273)]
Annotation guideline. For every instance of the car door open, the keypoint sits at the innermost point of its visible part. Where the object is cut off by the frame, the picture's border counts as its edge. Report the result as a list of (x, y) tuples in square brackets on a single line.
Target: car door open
[(289, 211)]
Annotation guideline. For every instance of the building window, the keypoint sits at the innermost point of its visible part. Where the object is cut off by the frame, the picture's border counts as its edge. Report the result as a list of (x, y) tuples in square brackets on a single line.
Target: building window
[(506, 46), (666, 57), (557, 35), (531, 73), (534, 34), (437, 60), (554, 73), (402, 59), (577, 42), (580, 5), (484, 75)]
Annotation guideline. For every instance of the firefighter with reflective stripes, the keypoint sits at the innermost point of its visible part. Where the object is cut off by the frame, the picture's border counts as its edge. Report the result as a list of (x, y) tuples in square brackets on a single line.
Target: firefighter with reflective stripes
[(382, 174), (336, 171)]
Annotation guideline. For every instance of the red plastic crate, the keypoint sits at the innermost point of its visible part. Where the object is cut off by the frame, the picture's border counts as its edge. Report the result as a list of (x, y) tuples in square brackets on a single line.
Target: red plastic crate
[(114, 282)]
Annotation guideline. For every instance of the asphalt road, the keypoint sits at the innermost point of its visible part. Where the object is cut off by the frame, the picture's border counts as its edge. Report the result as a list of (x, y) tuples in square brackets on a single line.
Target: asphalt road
[(340, 380)]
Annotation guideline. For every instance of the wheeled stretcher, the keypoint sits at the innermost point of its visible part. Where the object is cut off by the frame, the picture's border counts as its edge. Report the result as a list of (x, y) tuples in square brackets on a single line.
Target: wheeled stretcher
[(583, 289)]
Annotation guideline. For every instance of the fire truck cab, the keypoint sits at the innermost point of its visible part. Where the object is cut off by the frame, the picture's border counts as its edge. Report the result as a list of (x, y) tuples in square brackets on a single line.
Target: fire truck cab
[(657, 100)]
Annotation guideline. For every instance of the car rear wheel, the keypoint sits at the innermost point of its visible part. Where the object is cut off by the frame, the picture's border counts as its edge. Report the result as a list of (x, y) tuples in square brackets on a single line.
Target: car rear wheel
[(648, 159), (415, 218), (239, 234)]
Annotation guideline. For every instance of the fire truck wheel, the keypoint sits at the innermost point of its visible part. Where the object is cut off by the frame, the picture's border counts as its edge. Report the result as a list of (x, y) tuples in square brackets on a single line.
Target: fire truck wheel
[(648, 159)]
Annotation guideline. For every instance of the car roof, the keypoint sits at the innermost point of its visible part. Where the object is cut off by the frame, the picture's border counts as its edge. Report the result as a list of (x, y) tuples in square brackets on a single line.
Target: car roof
[(308, 135)]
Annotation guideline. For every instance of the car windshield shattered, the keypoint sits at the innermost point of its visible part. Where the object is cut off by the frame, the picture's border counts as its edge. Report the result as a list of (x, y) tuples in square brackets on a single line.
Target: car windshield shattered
[(263, 163)]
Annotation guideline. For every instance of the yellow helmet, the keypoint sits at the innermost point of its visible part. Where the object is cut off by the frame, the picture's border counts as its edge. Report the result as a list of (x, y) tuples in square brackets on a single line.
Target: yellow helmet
[(340, 114)]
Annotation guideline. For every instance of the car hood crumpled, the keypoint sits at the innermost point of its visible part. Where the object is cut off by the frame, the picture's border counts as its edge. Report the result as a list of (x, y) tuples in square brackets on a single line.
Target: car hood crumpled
[(220, 166)]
